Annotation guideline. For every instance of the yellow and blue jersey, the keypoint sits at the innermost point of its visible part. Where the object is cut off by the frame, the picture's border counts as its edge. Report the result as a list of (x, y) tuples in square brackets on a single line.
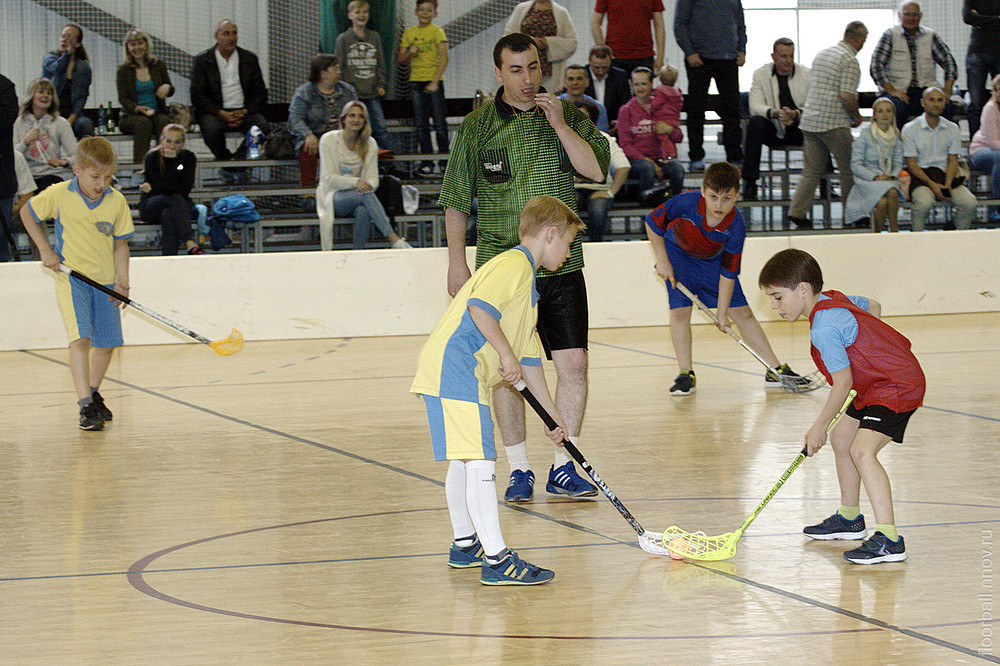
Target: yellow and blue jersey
[(85, 230), (456, 362)]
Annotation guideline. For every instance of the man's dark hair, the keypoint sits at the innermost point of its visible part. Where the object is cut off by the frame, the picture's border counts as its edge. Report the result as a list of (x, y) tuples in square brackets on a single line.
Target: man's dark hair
[(601, 51), (321, 62), (515, 42), (782, 41), (789, 268), (576, 66)]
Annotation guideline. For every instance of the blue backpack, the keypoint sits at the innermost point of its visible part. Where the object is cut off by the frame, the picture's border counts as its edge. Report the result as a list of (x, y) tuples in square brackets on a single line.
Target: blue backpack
[(232, 208)]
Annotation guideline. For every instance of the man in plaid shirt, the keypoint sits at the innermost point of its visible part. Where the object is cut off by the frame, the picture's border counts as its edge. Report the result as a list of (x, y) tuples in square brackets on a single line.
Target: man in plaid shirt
[(523, 144), (903, 64), (831, 110)]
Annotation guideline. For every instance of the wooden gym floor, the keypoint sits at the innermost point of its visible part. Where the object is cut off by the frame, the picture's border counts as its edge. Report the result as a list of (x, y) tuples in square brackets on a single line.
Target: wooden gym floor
[(281, 505)]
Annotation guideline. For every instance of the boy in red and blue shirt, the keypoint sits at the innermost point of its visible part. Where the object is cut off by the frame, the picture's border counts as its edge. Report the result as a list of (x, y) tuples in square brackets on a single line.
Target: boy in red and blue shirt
[(697, 238), (853, 348)]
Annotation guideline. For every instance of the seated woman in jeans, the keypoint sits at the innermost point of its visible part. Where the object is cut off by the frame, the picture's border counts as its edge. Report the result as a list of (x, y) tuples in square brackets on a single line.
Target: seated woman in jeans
[(348, 178), (984, 151), (315, 109), (169, 170)]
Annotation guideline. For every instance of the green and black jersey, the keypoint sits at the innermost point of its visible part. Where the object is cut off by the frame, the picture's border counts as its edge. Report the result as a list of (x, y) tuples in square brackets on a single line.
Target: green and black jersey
[(504, 157)]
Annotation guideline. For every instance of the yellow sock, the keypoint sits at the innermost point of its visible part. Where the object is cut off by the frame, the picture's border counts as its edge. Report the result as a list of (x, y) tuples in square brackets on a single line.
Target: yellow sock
[(849, 512), (889, 531)]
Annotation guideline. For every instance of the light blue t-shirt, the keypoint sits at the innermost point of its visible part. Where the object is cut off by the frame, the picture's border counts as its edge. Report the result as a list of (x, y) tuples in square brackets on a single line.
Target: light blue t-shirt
[(833, 331)]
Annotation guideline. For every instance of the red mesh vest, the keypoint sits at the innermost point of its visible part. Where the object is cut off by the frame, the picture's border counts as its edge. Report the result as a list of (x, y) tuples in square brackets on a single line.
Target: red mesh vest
[(884, 370)]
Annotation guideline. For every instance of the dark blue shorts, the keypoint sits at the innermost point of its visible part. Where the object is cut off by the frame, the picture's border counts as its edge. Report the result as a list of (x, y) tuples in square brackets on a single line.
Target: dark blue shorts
[(701, 277)]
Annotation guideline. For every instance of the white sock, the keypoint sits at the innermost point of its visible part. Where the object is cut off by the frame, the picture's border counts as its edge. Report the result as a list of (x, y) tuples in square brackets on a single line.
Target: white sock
[(454, 490), (517, 456), (481, 498), (561, 457)]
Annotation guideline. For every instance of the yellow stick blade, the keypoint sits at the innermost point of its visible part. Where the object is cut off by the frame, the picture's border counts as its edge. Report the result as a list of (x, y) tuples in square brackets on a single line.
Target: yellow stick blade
[(229, 345), (698, 546)]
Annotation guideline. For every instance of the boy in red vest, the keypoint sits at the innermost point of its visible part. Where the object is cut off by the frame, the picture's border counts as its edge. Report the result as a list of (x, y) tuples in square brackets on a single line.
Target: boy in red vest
[(853, 348)]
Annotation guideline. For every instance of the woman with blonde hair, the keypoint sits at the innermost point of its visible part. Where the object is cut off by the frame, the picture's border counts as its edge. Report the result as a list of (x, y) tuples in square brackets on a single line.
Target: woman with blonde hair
[(876, 160), (43, 136), (143, 87), (984, 151), (169, 170), (348, 178)]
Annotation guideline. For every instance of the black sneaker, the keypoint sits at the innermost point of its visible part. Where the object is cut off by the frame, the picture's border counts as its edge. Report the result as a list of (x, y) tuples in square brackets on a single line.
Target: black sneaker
[(750, 190), (102, 409), (800, 222), (879, 548), (90, 419), (771, 379), (837, 527), (684, 384)]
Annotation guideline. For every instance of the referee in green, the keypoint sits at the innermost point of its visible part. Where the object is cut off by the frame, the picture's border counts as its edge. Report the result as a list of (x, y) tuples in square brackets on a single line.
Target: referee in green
[(523, 144)]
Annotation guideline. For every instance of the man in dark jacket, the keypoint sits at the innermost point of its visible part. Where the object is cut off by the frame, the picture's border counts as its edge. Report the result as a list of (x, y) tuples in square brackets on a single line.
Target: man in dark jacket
[(227, 90), (608, 85), (8, 180)]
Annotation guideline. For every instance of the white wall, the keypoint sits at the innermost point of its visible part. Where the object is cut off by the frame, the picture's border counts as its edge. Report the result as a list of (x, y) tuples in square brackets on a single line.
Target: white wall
[(402, 292)]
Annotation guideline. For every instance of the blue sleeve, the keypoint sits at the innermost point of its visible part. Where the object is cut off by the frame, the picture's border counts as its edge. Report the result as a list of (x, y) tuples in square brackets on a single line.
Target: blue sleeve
[(833, 331), (662, 215), (602, 120)]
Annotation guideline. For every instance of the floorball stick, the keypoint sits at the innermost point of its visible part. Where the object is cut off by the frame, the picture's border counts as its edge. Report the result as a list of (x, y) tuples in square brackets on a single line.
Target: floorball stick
[(790, 384), (698, 546), (648, 541), (224, 347)]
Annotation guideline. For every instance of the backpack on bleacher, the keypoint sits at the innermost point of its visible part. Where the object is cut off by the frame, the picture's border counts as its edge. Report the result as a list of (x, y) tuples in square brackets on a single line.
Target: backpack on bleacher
[(235, 208), (280, 144)]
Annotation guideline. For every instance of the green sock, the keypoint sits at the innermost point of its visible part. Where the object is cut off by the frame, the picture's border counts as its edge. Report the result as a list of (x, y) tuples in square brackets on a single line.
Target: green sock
[(889, 531), (849, 512)]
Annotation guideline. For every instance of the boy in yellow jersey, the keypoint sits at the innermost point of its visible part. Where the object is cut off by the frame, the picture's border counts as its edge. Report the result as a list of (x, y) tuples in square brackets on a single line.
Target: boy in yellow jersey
[(487, 336), (92, 225)]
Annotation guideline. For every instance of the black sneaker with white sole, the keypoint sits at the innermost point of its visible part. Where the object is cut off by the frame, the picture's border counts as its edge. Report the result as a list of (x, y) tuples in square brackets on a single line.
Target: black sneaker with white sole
[(879, 548), (102, 409), (837, 527), (90, 418), (684, 384)]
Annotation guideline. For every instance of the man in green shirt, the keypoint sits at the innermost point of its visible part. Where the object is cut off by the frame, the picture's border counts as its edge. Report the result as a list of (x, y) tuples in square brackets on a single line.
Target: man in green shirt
[(524, 144)]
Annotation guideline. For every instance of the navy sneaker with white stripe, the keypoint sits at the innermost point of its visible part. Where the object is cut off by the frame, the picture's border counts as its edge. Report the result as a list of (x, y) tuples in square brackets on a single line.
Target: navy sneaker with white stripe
[(565, 481), (879, 548), (837, 527), (521, 486)]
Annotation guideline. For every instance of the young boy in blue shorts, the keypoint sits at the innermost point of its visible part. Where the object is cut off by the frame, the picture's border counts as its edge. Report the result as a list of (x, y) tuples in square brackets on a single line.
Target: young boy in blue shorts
[(697, 238), (92, 225), (853, 348), (486, 336)]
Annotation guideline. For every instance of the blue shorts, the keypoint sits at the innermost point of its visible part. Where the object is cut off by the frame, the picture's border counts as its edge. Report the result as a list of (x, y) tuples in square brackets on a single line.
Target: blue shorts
[(88, 313), (701, 277), (460, 429)]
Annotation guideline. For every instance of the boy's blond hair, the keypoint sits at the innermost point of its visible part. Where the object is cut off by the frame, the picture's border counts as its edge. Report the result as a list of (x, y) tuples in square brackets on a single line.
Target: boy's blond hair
[(357, 4), (547, 211), (668, 75), (96, 152)]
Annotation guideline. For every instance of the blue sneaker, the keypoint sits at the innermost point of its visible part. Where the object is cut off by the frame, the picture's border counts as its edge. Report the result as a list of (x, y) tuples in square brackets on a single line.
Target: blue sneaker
[(512, 570), (465, 557), (696, 165), (879, 548), (521, 486), (565, 481), (837, 527)]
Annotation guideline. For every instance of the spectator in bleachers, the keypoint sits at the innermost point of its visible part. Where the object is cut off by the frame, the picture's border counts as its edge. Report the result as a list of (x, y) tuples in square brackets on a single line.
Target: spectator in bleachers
[(639, 136), (629, 35), (360, 52), (713, 36), (25, 190), (8, 177), (550, 25), (228, 92), (983, 57), (667, 103), (903, 63), (43, 136), (876, 160), (984, 151), (608, 85), (830, 111), (931, 145), (68, 67), (143, 88), (169, 170), (425, 47), (575, 80), (597, 198), (348, 178), (777, 96), (315, 110)]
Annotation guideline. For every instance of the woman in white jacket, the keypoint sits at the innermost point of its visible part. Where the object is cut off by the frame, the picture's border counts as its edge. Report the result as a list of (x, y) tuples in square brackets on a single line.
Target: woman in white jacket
[(550, 25), (43, 136), (348, 166)]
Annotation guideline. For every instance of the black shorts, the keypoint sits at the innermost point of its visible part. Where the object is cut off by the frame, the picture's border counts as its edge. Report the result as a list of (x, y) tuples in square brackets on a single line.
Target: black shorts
[(881, 419), (563, 321)]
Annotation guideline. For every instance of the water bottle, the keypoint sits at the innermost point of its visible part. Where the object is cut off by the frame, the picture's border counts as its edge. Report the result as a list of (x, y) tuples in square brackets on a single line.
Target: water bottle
[(109, 121), (102, 120), (255, 139)]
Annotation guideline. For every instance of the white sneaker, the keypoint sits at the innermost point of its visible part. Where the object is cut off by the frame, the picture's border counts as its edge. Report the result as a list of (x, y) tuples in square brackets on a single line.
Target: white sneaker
[(401, 244)]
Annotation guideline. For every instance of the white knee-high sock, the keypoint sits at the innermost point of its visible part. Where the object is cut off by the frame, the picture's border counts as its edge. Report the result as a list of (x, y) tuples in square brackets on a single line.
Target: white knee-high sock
[(481, 498), (454, 490)]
